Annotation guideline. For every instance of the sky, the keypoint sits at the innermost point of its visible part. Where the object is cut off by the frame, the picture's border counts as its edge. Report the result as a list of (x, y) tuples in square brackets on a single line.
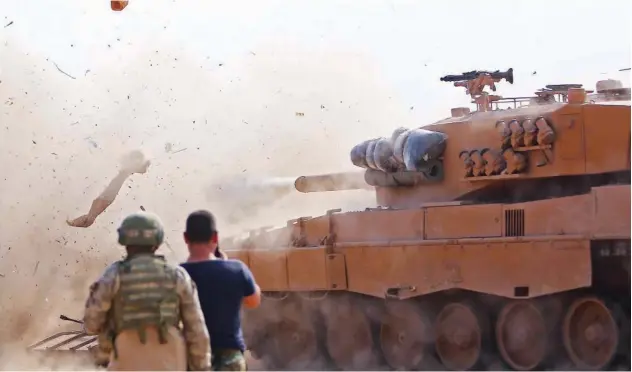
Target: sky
[(412, 43)]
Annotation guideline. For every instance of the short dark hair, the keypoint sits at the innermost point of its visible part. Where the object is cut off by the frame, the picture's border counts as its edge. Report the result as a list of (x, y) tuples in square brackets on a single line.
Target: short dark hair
[(200, 227)]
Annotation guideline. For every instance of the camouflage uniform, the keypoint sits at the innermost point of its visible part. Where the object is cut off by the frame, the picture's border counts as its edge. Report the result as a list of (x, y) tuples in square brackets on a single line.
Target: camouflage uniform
[(101, 353), (138, 304), (229, 360)]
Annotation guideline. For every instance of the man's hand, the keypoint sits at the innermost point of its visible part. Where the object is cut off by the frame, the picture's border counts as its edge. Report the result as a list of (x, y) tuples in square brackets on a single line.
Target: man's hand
[(83, 221), (220, 254), (98, 207)]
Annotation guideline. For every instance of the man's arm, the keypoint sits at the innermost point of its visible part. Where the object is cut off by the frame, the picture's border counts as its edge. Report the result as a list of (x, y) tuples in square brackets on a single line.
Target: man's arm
[(133, 162), (252, 292), (195, 332), (100, 204), (99, 301)]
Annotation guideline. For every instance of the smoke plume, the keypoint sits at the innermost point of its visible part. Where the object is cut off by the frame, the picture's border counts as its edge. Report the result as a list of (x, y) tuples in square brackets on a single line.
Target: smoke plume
[(221, 137)]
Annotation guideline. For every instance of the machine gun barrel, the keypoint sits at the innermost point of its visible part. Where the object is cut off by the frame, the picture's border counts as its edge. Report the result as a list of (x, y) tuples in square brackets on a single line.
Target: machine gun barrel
[(332, 182), (496, 75), (462, 77)]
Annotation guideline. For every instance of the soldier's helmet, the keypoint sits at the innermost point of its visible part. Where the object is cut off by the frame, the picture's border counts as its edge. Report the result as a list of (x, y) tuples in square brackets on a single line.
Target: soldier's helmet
[(141, 229)]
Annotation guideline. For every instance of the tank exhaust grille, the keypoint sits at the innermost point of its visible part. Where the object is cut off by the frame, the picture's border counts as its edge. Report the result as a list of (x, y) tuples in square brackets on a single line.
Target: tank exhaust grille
[(514, 222)]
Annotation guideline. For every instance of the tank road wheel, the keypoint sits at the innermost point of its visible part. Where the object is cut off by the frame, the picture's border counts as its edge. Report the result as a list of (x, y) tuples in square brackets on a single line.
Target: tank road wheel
[(349, 338), (591, 334), (460, 336), (405, 336), (521, 335), (292, 342), (295, 343), (259, 327)]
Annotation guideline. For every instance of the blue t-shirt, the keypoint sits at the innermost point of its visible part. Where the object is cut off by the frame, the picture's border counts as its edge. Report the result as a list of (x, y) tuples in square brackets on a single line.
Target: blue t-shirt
[(222, 285)]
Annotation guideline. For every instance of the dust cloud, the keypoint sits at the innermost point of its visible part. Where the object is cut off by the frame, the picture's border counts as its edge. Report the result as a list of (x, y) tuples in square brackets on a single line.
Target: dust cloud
[(213, 131)]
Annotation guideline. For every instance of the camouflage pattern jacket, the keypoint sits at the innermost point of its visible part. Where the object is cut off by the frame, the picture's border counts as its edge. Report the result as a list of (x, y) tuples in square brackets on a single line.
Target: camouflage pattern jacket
[(101, 298)]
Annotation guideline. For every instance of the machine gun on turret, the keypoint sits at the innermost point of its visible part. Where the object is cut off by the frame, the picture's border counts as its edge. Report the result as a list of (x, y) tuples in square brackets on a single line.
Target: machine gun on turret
[(475, 82), (496, 75)]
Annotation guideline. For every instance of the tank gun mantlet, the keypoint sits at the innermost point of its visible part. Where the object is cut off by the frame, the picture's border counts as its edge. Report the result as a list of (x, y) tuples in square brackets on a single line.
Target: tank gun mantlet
[(408, 157)]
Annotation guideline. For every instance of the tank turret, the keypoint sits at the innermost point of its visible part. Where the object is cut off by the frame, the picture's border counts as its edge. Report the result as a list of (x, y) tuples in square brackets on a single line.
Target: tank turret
[(521, 153)]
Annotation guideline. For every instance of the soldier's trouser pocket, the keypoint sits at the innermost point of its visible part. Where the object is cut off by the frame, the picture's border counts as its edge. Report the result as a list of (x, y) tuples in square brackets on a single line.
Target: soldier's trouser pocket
[(228, 360)]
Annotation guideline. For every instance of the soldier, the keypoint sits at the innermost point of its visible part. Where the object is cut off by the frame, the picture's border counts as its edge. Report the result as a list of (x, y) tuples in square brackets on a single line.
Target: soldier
[(138, 304), (224, 286)]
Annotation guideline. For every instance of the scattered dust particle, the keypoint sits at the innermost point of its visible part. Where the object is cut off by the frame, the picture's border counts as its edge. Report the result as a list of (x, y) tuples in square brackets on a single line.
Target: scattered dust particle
[(63, 72)]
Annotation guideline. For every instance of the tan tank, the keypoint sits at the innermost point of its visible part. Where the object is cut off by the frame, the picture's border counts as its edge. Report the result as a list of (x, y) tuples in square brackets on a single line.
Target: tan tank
[(502, 239)]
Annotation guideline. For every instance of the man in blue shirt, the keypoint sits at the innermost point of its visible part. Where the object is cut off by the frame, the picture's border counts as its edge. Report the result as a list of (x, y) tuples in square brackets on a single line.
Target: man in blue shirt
[(224, 286)]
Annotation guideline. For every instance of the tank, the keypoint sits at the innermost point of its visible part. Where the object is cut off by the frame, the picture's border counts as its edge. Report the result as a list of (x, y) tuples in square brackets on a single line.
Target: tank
[(501, 239)]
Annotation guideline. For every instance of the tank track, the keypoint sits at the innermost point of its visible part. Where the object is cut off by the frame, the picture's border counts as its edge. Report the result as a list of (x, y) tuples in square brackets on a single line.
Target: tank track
[(454, 330)]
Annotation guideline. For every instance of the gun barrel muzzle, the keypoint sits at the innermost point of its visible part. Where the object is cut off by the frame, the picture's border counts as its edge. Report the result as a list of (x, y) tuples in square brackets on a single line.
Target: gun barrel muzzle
[(331, 182)]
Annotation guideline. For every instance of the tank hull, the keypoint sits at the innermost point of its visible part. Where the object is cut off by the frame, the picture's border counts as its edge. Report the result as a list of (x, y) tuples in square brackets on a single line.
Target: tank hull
[(448, 285)]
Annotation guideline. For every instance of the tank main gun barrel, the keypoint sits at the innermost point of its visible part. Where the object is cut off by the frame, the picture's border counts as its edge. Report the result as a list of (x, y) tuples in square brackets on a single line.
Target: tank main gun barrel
[(332, 182), (471, 75)]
